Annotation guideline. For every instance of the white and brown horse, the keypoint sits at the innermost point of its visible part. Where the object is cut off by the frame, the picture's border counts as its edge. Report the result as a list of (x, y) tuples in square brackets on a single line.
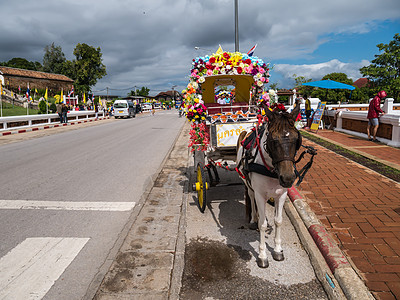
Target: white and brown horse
[(269, 170)]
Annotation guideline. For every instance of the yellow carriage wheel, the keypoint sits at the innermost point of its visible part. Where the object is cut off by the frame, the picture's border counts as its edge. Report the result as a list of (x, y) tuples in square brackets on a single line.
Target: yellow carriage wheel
[(201, 187)]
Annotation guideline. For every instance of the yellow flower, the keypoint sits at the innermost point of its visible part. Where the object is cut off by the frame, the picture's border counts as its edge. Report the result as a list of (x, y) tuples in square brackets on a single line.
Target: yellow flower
[(196, 100), (203, 118)]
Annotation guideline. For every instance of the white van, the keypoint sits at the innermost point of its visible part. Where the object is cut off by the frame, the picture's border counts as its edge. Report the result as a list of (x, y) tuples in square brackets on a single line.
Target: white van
[(124, 108)]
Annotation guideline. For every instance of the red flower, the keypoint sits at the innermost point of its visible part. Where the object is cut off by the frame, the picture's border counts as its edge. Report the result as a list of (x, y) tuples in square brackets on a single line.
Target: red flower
[(212, 60), (247, 61), (226, 55), (239, 70)]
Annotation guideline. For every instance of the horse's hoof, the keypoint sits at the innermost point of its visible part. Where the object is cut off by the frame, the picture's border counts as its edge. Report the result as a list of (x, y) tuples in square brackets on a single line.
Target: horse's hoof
[(253, 226), (278, 256), (262, 263)]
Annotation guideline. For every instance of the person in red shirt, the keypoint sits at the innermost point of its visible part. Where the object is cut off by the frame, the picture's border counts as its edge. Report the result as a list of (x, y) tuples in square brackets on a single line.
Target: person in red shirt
[(373, 114)]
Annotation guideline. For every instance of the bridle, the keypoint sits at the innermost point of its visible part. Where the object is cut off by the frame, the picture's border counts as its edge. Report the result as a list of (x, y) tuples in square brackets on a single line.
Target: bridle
[(285, 143)]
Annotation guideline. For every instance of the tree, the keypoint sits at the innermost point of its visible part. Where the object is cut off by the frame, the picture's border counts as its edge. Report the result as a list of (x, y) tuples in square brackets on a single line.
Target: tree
[(87, 68), (53, 59), (22, 63), (302, 89), (144, 91), (384, 71)]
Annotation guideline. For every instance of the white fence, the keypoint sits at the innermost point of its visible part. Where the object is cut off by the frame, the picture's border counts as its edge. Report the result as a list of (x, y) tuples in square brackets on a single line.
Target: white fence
[(391, 118), (18, 122)]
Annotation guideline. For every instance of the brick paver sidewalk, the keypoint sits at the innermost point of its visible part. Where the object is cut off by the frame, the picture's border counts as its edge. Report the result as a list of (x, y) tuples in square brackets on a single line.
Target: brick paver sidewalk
[(361, 210)]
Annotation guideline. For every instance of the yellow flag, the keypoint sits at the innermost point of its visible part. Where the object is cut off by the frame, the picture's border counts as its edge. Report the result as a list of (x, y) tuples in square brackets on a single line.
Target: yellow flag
[(84, 98), (219, 51), (62, 97), (1, 89), (45, 95)]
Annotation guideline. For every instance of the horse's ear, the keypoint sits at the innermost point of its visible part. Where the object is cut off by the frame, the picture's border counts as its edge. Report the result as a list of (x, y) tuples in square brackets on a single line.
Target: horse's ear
[(268, 112), (295, 112)]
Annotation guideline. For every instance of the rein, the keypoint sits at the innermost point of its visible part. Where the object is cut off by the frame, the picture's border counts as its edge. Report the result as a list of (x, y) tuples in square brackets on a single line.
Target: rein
[(310, 150)]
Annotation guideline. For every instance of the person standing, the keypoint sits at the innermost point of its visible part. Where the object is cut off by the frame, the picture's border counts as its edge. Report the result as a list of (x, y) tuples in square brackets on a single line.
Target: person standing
[(374, 112), (308, 111), (64, 113), (96, 111), (59, 111), (153, 109)]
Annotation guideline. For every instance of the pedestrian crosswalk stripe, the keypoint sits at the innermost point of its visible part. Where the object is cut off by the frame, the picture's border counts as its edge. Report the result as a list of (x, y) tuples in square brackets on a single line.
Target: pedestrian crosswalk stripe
[(66, 205), (30, 269)]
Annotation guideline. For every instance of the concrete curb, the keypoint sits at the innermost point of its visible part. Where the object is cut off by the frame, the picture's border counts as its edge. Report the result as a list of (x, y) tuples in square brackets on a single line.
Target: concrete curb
[(351, 284), (50, 126)]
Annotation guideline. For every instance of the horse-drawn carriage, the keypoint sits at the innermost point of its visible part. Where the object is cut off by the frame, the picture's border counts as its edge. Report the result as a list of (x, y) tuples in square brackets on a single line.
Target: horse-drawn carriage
[(235, 130)]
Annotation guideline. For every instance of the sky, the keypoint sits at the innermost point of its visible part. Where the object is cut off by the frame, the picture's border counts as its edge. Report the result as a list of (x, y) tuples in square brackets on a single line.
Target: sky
[(152, 43)]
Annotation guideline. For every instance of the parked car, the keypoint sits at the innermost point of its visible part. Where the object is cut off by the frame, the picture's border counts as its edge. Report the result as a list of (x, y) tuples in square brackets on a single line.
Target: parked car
[(124, 108)]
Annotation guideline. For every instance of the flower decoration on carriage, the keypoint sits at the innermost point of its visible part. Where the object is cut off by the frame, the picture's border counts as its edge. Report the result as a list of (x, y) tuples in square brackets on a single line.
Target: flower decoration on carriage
[(199, 137), (229, 63), (197, 113)]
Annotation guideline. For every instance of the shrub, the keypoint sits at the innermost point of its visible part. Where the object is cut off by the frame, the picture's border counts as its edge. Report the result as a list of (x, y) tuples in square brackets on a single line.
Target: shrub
[(42, 107), (53, 108)]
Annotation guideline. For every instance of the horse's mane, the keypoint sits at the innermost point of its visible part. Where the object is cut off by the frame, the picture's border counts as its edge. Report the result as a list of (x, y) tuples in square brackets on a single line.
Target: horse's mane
[(282, 121)]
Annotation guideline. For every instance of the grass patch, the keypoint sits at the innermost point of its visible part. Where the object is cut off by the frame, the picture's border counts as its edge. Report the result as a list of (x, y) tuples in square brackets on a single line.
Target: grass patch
[(9, 110), (378, 167)]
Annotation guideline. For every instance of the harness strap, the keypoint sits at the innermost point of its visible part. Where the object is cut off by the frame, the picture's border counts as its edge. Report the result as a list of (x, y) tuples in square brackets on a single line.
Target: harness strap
[(263, 170), (261, 154)]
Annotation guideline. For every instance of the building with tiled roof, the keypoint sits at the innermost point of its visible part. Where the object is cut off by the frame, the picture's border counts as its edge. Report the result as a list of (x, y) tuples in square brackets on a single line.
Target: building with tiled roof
[(13, 78), (361, 82)]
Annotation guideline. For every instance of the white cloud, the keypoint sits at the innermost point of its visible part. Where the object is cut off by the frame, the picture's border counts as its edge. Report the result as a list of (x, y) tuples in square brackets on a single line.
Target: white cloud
[(317, 71)]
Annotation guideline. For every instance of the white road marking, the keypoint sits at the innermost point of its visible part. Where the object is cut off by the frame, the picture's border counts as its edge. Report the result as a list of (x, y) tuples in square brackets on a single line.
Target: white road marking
[(66, 205), (29, 270)]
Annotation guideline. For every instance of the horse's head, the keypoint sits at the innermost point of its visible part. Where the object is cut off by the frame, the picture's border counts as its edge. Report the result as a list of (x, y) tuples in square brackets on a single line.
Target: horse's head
[(282, 142)]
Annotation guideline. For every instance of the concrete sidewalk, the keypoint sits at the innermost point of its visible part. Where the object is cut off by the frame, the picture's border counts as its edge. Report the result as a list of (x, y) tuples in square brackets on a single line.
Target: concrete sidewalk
[(359, 208)]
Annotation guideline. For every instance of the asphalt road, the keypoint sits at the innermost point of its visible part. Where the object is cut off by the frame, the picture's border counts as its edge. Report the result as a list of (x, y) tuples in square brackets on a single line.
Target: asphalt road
[(66, 196)]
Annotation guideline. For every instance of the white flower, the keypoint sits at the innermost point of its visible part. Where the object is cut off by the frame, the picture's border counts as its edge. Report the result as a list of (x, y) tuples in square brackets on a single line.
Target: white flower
[(201, 79), (195, 85), (220, 64), (260, 83)]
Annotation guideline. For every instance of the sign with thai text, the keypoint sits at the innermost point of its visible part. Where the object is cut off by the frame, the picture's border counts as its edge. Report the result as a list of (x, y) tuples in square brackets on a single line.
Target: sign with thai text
[(228, 133)]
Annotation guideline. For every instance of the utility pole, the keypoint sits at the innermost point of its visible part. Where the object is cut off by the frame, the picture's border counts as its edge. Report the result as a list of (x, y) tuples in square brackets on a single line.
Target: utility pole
[(236, 26), (107, 93)]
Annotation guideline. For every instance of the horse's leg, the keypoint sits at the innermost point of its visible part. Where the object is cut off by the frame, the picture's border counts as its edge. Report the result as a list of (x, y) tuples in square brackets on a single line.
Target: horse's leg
[(254, 217), (262, 260), (247, 201), (278, 251)]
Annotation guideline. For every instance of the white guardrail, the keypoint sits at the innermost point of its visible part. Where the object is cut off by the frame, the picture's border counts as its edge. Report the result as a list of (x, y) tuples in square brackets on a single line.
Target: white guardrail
[(19, 122)]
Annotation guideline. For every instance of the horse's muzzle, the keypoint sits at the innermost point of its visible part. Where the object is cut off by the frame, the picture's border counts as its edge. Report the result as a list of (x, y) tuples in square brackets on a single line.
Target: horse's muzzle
[(286, 173)]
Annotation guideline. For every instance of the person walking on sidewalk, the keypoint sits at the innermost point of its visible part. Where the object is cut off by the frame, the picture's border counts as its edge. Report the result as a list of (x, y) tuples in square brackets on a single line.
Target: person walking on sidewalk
[(373, 114)]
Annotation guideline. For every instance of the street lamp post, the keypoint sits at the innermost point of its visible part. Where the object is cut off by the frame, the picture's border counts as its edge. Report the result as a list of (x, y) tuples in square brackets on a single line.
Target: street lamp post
[(173, 94), (236, 26)]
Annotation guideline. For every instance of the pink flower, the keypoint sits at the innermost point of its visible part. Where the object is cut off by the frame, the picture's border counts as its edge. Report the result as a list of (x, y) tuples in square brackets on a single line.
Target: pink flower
[(209, 72)]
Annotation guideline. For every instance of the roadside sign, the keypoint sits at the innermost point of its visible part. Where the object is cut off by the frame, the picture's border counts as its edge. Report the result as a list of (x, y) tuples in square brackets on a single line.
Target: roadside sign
[(318, 116)]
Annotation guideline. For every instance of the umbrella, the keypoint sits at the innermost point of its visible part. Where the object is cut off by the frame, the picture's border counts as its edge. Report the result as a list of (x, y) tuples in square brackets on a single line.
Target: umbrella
[(330, 84)]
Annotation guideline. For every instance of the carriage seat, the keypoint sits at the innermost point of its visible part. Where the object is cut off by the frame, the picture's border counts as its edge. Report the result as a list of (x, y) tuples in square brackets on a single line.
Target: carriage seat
[(215, 108)]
